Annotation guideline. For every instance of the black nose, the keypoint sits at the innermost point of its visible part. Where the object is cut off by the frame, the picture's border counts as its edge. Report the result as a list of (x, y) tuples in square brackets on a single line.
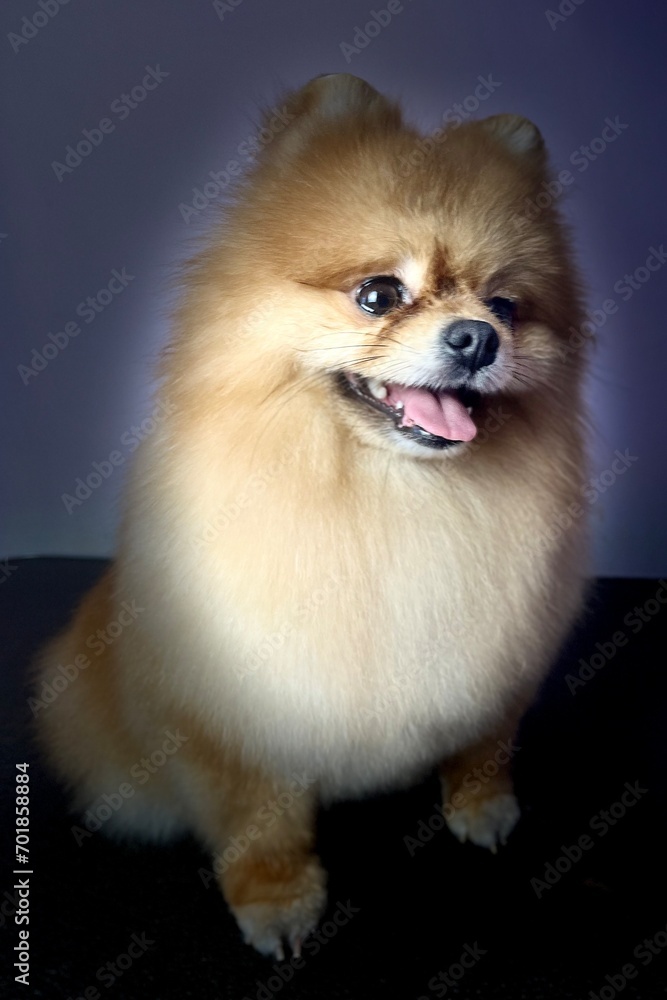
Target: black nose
[(471, 341)]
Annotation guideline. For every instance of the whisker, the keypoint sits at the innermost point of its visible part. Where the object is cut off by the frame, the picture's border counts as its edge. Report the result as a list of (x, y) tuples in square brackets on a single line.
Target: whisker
[(289, 391), (294, 386), (335, 347), (399, 343), (374, 357)]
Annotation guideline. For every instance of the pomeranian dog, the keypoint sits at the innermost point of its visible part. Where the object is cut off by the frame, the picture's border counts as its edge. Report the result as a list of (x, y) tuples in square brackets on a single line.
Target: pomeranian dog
[(341, 561)]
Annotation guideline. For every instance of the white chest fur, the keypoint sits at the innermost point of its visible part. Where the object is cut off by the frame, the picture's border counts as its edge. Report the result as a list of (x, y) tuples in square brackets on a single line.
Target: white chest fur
[(358, 635)]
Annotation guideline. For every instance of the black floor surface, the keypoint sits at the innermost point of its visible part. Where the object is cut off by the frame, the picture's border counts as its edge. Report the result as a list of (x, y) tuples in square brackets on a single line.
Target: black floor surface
[(405, 922)]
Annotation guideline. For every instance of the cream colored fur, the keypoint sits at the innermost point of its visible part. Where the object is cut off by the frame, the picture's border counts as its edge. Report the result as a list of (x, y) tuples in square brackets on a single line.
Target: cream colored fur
[(319, 597)]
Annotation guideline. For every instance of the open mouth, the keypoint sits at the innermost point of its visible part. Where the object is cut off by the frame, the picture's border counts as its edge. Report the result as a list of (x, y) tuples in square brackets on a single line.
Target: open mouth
[(433, 417)]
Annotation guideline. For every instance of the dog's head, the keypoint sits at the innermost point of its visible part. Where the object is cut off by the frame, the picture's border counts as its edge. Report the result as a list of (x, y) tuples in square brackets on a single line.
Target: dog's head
[(402, 280)]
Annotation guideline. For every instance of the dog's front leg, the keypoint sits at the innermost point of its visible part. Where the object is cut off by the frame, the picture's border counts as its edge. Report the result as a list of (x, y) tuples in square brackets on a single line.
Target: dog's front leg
[(261, 828), (478, 794)]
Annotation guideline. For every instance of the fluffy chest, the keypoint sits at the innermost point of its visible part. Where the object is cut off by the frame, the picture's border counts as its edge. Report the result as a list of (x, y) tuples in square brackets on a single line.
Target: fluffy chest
[(361, 628)]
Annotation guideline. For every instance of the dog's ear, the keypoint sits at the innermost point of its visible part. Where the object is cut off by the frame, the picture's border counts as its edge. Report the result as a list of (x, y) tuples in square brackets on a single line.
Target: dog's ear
[(341, 95), (326, 103), (518, 135)]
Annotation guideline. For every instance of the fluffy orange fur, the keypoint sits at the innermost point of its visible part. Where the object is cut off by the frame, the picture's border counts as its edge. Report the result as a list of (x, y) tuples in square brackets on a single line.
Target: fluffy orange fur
[(326, 608)]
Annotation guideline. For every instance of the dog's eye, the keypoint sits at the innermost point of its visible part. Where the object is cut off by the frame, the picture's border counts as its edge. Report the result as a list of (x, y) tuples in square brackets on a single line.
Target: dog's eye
[(502, 309), (380, 295)]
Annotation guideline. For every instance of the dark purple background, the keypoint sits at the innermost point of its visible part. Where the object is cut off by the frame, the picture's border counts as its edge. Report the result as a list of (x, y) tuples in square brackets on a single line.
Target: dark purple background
[(120, 208)]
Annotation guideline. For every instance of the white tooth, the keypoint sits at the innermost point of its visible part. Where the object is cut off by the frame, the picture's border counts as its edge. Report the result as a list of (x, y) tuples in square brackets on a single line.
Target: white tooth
[(377, 389), (469, 409)]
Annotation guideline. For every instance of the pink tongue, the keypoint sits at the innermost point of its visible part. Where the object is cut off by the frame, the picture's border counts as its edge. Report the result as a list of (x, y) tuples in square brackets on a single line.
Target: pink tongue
[(440, 413)]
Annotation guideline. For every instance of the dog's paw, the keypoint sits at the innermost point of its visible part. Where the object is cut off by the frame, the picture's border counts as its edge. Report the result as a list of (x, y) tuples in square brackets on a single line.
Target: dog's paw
[(286, 916), (486, 822)]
